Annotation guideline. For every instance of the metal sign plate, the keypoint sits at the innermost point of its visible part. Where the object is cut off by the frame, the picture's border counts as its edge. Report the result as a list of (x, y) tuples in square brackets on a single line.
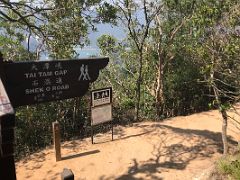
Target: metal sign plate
[(101, 96), (101, 114)]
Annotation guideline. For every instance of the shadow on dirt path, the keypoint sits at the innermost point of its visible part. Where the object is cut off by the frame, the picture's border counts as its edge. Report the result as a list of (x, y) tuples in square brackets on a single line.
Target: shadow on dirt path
[(80, 155), (176, 148)]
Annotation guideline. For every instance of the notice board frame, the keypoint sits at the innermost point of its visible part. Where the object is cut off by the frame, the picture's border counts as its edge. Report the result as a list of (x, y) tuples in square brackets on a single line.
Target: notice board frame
[(105, 102)]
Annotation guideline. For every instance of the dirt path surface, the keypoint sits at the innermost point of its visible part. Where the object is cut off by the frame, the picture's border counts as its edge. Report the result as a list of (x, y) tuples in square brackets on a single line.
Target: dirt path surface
[(176, 149)]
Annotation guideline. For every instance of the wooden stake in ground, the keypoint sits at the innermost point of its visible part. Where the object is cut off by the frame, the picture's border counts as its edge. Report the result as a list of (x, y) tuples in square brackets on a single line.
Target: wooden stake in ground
[(57, 140)]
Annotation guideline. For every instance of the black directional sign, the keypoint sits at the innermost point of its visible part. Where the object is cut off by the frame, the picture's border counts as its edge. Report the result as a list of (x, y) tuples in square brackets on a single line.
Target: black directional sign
[(43, 81)]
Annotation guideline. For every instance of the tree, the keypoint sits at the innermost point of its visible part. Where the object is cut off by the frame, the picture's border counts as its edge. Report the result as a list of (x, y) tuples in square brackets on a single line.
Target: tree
[(58, 26), (168, 23), (137, 18), (120, 73), (223, 70), (216, 50)]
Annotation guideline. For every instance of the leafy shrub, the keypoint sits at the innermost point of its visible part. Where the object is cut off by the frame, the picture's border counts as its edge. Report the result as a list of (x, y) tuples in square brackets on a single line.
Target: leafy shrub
[(230, 167)]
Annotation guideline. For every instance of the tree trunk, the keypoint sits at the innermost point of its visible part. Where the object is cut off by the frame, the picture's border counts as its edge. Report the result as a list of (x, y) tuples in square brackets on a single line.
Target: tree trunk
[(159, 96), (218, 101), (224, 131), (224, 122), (138, 88)]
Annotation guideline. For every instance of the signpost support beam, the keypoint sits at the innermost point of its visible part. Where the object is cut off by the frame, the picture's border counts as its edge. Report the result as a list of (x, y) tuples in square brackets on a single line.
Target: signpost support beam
[(112, 130), (7, 124), (92, 134), (7, 164)]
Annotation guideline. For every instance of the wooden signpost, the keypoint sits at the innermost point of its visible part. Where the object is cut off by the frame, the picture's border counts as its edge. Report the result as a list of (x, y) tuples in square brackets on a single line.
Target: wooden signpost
[(101, 108), (29, 83), (44, 81), (7, 124)]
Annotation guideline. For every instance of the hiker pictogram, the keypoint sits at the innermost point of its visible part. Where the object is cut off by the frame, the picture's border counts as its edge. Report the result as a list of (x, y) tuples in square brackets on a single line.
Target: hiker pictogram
[(84, 73)]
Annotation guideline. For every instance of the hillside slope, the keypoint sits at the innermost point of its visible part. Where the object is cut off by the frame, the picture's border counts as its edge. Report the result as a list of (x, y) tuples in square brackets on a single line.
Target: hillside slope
[(178, 148)]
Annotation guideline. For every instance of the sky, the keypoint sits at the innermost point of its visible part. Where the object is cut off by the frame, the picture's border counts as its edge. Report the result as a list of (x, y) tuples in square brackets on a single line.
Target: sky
[(93, 49), (108, 29)]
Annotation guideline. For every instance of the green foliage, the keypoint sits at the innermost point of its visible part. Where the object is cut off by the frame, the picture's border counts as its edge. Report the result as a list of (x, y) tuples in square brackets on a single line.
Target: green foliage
[(230, 166), (69, 23), (34, 124), (184, 94), (58, 26), (223, 166), (107, 13), (107, 44), (11, 43)]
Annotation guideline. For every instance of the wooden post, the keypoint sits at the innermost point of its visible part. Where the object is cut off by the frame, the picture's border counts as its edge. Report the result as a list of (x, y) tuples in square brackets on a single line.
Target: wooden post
[(57, 140), (7, 124), (7, 165)]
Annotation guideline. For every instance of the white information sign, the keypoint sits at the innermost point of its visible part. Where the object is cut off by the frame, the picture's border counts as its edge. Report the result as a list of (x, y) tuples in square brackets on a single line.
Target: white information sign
[(101, 114), (5, 105)]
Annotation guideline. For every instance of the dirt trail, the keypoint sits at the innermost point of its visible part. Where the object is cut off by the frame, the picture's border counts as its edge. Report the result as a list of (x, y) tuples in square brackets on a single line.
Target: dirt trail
[(178, 148)]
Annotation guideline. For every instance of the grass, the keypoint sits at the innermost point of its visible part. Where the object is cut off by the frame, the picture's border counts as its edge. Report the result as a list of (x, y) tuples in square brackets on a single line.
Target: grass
[(230, 166)]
